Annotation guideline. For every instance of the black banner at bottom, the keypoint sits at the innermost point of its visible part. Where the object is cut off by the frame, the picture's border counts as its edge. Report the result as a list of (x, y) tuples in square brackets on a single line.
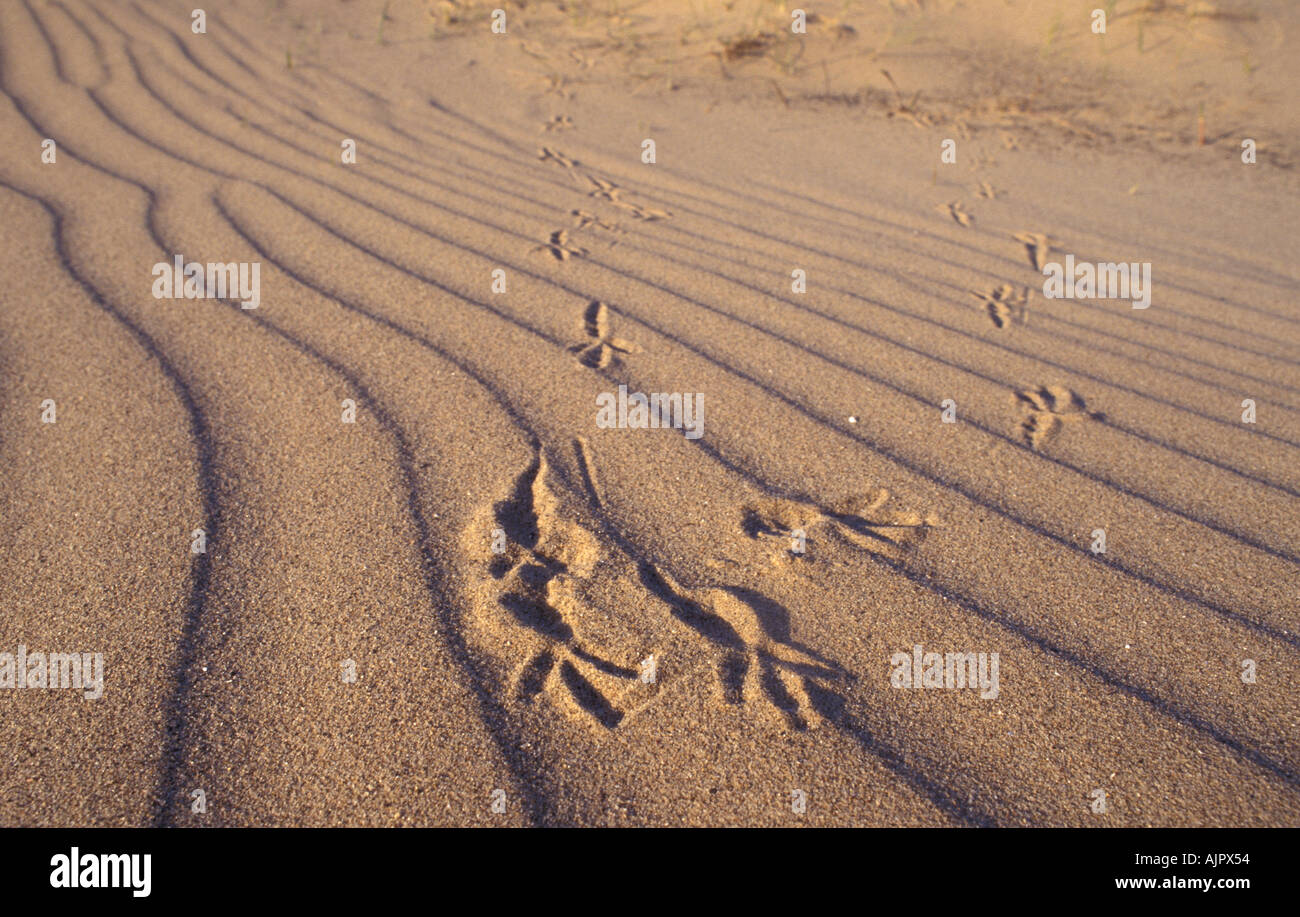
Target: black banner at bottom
[(334, 867)]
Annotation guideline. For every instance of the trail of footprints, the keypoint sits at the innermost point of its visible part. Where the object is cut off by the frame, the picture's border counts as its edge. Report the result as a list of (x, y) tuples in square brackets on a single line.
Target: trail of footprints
[(1007, 304), (1046, 409), (558, 244), (757, 664)]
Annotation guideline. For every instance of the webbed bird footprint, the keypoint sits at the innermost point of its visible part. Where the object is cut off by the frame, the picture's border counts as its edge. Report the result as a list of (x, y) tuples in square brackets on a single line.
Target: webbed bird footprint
[(1047, 409), (866, 521), (541, 572), (758, 665), (583, 682), (1005, 304)]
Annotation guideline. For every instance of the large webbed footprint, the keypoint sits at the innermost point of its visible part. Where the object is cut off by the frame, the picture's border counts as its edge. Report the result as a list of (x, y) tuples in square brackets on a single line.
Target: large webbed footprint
[(542, 566), (758, 664)]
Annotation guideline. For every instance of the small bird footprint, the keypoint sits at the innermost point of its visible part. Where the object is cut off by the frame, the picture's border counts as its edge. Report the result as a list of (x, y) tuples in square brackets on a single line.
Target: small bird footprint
[(546, 154), (866, 521), (1047, 409), (956, 210), (559, 246), (1005, 304), (1037, 246), (598, 352), (558, 123), (613, 194)]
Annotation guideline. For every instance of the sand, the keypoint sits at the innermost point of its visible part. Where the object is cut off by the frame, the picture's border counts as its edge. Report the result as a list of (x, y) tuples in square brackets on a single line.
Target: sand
[(368, 553)]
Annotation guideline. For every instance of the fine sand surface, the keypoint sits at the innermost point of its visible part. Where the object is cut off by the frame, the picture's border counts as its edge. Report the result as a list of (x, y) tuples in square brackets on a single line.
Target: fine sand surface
[(497, 568)]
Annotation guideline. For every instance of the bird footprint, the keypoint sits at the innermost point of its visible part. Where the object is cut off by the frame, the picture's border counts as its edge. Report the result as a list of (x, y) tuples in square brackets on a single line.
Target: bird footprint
[(601, 346), (1005, 304), (542, 568), (865, 521), (1047, 409), (759, 666)]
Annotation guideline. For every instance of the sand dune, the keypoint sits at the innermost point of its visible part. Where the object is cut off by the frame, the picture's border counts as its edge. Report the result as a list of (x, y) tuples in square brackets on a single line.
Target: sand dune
[(367, 554)]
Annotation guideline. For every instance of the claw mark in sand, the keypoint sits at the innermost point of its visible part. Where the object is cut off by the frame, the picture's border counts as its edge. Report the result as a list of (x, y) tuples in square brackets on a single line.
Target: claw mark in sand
[(988, 191), (559, 246), (558, 123), (601, 346), (1036, 245), (1047, 409), (1005, 304), (583, 448)]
